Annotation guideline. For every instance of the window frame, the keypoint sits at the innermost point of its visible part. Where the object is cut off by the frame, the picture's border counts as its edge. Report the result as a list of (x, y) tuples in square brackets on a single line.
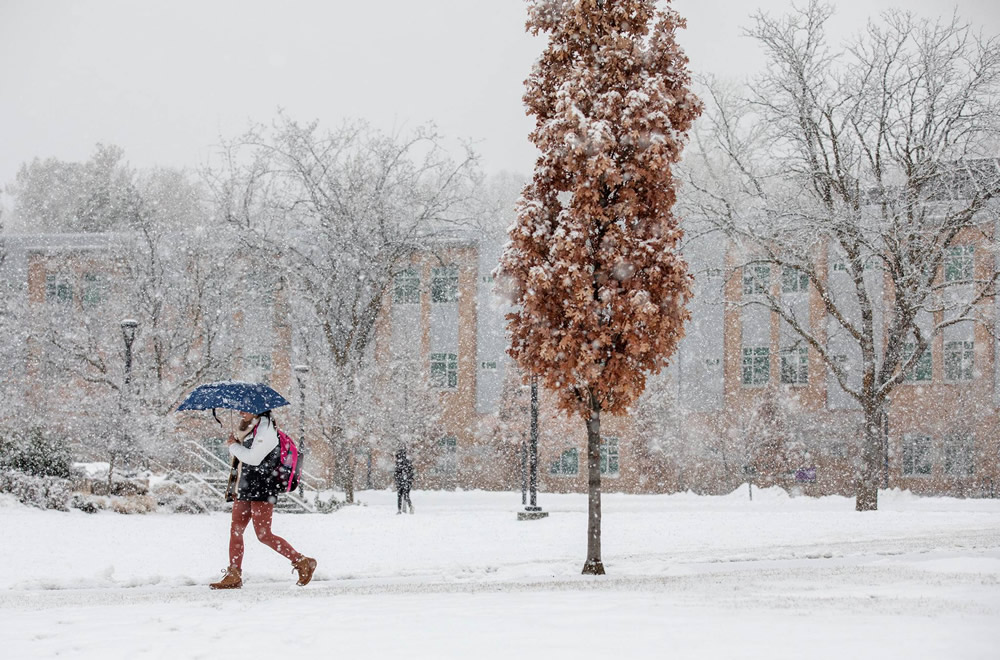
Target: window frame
[(444, 371), (559, 467), (444, 284), (758, 355), (794, 281), (262, 286), (963, 448), (94, 289), (58, 289), (609, 449), (799, 368), (959, 263), (925, 361), (406, 287), (966, 361), (756, 279), (917, 447), (261, 364)]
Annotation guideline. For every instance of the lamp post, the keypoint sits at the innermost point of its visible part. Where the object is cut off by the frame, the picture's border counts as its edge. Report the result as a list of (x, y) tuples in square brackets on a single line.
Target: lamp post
[(300, 377), (532, 511), (129, 327), (523, 452)]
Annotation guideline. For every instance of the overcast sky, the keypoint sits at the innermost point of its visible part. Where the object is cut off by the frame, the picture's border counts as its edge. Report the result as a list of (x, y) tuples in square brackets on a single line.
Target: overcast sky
[(164, 79)]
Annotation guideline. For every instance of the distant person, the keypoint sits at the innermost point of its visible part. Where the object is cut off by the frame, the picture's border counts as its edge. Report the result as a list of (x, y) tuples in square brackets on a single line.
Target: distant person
[(255, 446), (404, 480)]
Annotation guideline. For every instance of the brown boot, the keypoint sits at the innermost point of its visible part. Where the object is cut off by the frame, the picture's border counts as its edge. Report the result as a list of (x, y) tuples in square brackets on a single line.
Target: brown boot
[(232, 578), (305, 566)]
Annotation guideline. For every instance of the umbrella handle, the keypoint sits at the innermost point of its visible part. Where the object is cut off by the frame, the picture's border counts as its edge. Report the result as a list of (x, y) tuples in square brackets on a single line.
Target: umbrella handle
[(217, 417)]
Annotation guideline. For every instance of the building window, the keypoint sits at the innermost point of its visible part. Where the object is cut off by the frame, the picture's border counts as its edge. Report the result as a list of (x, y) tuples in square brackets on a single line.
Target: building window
[(794, 280), (756, 278), (407, 288), (958, 360), (609, 457), (444, 370), (839, 266), (958, 456), (568, 464), (916, 455), (756, 365), (795, 366), (444, 284), (447, 462), (258, 366), (58, 289), (261, 285), (95, 289), (922, 369), (958, 263), (488, 365)]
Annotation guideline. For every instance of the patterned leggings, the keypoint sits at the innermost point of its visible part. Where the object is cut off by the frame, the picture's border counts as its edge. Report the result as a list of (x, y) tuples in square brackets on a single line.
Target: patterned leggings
[(260, 513)]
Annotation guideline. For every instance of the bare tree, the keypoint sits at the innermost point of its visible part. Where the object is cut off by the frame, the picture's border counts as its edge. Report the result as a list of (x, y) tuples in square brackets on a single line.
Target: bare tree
[(163, 270), (599, 287), (869, 172), (347, 208), (10, 328)]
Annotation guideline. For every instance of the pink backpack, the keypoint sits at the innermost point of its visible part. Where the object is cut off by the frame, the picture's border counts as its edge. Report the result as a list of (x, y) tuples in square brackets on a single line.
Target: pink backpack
[(289, 467)]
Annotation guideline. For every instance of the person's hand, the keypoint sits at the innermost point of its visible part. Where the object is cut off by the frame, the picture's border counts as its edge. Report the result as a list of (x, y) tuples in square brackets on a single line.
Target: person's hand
[(231, 440)]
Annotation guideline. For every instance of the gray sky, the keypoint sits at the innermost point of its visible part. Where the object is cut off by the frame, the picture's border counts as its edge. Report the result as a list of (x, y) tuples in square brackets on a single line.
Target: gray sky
[(163, 79)]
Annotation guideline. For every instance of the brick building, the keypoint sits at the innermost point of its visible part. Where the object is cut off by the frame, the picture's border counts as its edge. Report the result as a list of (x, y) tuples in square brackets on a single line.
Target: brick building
[(741, 400)]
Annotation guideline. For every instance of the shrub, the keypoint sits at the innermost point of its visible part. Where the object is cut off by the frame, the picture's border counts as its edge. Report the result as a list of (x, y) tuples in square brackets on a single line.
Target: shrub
[(88, 503), (120, 486), (41, 492), (186, 495), (35, 452), (133, 504)]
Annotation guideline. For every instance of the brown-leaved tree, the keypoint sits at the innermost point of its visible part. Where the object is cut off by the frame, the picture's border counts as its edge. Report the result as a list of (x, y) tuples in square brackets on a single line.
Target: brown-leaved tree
[(599, 288)]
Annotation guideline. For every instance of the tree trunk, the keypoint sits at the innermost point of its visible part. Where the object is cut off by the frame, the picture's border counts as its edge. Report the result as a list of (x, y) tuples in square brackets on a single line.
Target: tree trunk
[(111, 471), (594, 565), (347, 448), (347, 456), (866, 488)]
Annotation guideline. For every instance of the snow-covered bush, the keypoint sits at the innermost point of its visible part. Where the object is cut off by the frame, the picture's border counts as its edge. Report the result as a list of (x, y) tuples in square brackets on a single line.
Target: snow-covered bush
[(38, 491), (328, 506), (88, 503), (120, 486), (35, 452), (133, 504), (178, 493), (92, 479)]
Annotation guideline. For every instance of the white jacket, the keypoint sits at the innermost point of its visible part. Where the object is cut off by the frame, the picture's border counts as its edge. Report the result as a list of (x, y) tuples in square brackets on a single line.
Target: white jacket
[(264, 443)]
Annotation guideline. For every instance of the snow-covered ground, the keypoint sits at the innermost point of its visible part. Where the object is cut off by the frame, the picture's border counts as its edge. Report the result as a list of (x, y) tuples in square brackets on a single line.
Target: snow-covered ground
[(688, 577)]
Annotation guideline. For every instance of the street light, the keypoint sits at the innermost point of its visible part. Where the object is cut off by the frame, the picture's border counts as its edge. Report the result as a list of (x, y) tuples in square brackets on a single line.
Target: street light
[(129, 327), (532, 511), (300, 377)]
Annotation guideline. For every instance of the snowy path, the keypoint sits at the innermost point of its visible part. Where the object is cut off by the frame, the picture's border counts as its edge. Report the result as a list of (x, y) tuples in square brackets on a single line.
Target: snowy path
[(689, 577)]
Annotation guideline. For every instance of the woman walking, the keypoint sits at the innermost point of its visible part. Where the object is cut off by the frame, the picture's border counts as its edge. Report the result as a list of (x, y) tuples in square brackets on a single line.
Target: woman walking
[(255, 446)]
